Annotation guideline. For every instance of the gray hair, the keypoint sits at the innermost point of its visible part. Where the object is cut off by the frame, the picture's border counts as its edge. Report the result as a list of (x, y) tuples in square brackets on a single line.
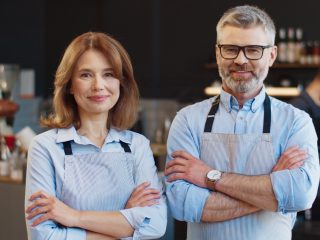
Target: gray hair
[(246, 17)]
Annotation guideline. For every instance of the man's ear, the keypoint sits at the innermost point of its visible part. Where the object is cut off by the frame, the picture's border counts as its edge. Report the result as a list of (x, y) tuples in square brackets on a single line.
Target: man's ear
[(273, 55), (217, 54)]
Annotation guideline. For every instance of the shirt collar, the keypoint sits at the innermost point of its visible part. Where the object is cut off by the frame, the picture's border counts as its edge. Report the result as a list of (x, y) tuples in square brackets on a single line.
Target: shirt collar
[(114, 135), (230, 102)]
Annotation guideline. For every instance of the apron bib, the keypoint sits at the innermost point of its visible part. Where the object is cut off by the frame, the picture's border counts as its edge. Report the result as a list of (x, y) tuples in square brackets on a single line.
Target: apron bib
[(92, 180), (248, 154)]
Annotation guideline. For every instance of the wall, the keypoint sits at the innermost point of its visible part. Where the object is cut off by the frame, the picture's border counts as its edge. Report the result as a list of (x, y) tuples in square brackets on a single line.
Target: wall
[(169, 41)]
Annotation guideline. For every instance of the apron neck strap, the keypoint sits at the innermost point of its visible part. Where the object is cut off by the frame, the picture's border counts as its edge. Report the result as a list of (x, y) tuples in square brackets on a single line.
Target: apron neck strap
[(68, 150), (266, 118)]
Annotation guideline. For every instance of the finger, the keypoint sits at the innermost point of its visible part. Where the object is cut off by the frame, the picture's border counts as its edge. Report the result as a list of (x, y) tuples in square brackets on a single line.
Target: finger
[(295, 156), (175, 169), (141, 187), (149, 203), (296, 165), (39, 194), (150, 192), (37, 203), (182, 154), (176, 176), (40, 210), (176, 161), (143, 193), (39, 220)]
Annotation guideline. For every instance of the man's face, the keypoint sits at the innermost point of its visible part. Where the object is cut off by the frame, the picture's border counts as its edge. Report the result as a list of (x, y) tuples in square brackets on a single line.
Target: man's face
[(241, 75)]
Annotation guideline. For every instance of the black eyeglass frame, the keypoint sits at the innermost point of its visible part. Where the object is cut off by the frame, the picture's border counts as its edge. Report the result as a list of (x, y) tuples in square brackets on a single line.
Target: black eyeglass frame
[(242, 48)]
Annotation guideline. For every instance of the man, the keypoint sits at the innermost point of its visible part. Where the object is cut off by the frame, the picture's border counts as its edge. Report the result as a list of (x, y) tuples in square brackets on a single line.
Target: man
[(242, 164)]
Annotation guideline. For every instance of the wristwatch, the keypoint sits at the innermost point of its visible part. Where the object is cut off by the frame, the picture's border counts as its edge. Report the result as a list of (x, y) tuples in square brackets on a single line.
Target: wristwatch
[(213, 177)]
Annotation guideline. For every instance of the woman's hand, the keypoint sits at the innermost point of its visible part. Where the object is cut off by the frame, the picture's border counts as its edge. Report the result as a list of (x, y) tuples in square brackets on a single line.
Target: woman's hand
[(50, 208), (143, 196)]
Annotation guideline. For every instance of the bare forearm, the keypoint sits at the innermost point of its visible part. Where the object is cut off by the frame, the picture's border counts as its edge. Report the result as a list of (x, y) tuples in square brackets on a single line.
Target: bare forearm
[(98, 236), (254, 190), (220, 207), (112, 224)]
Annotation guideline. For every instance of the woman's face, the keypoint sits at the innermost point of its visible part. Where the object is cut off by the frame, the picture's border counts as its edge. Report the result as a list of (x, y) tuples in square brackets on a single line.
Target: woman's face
[(93, 85)]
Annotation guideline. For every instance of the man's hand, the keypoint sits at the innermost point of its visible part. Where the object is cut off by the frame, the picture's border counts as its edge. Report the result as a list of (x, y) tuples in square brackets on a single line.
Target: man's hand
[(293, 157), (186, 167)]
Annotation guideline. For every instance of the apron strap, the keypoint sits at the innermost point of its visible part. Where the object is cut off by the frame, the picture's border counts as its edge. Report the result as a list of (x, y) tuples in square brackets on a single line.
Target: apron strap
[(267, 114), (210, 117), (125, 146), (266, 117), (67, 148)]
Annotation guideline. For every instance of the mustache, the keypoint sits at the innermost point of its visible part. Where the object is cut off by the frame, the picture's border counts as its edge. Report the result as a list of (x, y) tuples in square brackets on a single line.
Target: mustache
[(243, 67)]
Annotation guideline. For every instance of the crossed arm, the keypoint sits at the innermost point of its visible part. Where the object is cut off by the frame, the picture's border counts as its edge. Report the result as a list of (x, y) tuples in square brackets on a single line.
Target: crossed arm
[(235, 195)]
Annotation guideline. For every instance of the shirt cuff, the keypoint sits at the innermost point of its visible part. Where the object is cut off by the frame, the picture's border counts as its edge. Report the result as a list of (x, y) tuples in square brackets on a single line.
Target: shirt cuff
[(76, 234), (281, 185), (135, 217), (195, 200)]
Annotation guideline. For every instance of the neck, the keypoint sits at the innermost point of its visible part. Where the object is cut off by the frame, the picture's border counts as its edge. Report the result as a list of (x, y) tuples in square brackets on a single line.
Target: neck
[(94, 129), (242, 97)]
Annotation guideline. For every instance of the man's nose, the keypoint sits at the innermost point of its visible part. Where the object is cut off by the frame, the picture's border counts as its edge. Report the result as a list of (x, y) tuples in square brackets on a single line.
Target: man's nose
[(241, 58)]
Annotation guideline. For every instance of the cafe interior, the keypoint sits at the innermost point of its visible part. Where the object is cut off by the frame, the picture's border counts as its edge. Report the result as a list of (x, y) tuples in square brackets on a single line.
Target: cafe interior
[(172, 48)]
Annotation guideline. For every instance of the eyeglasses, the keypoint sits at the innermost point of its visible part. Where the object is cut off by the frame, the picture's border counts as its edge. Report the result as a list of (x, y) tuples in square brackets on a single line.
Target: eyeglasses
[(251, 52)]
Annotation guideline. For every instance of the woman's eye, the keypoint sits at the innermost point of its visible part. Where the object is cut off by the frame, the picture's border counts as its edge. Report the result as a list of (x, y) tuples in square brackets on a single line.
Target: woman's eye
[(108, 74), (84, 75)]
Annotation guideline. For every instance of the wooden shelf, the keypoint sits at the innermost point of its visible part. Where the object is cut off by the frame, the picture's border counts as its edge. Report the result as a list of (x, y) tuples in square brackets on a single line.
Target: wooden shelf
[(272, 91), (159, 149), (276, 66)]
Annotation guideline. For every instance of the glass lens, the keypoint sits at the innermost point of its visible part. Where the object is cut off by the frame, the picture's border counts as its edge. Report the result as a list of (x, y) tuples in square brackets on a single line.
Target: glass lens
[(229, 51), (253, 52)]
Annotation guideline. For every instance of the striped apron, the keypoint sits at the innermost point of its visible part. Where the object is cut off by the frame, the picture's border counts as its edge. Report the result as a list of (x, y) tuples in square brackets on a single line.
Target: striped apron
[(247, 154), (98, 181)]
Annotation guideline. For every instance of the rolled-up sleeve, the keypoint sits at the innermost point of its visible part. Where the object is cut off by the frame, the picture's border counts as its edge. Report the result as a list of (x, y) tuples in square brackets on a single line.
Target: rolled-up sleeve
[(148, 222), (186, 200), (296, 189), (40, 176)]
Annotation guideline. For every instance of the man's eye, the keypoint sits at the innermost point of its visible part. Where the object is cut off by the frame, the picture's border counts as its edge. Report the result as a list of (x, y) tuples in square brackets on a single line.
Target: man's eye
[(231, 50)]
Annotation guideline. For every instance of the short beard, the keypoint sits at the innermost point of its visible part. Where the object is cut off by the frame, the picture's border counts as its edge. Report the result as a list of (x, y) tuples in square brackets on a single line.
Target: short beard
[(243, 85)]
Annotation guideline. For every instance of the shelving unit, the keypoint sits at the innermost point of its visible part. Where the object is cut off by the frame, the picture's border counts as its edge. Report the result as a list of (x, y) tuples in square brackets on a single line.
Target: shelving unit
[(276, 66), (285, 92)]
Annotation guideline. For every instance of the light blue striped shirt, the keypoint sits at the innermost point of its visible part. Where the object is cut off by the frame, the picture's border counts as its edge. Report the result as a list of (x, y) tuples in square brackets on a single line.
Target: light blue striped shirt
[(294, 190), (46, 172)]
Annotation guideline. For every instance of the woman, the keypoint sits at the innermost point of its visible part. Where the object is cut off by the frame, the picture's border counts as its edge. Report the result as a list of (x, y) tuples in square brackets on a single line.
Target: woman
[(88, 177)]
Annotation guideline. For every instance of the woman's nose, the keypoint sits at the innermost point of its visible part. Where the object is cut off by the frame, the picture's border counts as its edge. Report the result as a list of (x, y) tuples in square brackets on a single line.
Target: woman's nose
[(97, 83)]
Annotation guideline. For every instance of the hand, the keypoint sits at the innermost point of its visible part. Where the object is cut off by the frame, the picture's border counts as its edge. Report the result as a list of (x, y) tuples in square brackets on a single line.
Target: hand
[(143, 196), (293, 157), (51, 208), (186, 167)]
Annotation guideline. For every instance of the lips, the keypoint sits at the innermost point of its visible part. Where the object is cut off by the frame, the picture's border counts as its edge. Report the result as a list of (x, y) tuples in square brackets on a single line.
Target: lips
[(98, 98)]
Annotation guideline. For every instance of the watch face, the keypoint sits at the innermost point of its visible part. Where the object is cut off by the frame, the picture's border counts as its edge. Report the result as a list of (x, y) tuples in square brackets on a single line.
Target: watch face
[(214, 175)]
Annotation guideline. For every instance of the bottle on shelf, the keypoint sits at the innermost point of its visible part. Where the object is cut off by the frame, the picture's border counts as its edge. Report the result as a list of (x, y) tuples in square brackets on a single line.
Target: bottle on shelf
[(16, 162), (282, 46), (299, 46), (4, 158), (291, 47)]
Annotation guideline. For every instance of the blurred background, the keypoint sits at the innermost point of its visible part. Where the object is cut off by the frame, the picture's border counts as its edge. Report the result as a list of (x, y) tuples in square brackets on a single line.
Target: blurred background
[(171, 44)]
